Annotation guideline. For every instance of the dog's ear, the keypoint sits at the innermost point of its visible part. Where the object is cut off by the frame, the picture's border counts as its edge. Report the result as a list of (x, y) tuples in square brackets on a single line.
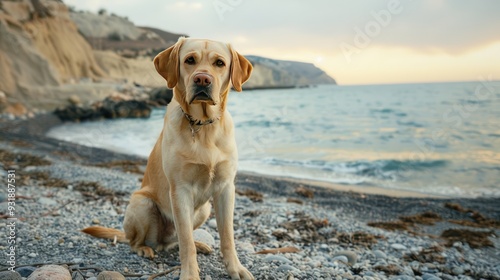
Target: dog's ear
[(241, 69), (167, 63)]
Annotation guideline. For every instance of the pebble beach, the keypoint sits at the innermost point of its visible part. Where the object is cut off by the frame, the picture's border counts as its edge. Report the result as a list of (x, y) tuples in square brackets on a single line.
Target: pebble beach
[(284, 229)]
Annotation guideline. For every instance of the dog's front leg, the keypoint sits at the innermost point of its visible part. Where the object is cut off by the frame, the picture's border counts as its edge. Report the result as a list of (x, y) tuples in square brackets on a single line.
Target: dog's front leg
[(183, 209), (224, 211)]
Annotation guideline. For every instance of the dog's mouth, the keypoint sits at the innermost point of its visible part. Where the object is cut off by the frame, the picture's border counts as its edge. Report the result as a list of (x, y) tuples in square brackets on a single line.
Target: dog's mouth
[(202, 95)]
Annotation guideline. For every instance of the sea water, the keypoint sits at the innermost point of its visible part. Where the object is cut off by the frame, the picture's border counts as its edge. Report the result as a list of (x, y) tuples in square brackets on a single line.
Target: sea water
[(441, 139)]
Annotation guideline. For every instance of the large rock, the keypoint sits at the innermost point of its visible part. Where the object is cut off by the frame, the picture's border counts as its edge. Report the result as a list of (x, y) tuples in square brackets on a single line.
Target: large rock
[(52, 272), (107, 109), (162, 96)]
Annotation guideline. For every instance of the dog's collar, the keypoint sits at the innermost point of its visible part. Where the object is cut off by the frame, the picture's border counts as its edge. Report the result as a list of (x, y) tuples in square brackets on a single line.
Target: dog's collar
[(196, 125)]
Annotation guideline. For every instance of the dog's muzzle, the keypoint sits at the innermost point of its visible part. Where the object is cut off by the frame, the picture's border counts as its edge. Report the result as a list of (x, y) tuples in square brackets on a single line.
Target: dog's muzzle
[(202, 94), (202, 89)]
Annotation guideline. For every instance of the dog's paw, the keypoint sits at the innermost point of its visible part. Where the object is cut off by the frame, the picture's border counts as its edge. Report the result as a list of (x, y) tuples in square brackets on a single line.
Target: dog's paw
[(239, 272), (144, 251), (203, 248)]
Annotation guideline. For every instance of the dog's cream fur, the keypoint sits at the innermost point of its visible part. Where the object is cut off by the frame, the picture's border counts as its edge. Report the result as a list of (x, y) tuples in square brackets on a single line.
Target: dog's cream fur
[(189, 163)]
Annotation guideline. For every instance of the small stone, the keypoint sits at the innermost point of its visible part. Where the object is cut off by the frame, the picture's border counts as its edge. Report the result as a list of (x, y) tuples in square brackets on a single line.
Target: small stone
[(204, 236), (402, 277), (341, 259), (398, 247), (102, 245), (77, 260), (32, 255), (246, 247), (208, 277), (380, 255), (110, 275), (350, 255), (10, 275), (457, 270), (428, 276), (25, 271), (277, 258), (96, 221), (107, 253), (324, 247), (212, 223), (286, 268), (52, 272)]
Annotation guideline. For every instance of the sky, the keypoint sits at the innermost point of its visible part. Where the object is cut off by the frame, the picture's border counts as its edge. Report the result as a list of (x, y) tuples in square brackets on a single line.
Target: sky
[(355, 42)]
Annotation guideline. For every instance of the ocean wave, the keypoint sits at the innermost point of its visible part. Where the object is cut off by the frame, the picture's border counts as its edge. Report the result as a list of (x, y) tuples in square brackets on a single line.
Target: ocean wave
[(380, 169)]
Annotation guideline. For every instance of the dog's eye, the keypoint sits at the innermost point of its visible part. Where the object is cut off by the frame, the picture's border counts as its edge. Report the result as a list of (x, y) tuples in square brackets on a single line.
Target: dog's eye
[(219, 63), (190, 60)]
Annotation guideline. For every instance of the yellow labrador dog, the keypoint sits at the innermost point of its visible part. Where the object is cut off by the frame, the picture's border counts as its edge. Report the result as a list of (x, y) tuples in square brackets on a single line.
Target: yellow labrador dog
[(194, 159)]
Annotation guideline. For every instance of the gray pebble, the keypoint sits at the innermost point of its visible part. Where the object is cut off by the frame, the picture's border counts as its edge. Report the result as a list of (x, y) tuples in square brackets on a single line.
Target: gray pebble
[(457, 270), (399, 247), (427, 276), (324, 247), (32, 255), (341, 259), (380, 255), (107, 253), (402, 277), (351, 256)]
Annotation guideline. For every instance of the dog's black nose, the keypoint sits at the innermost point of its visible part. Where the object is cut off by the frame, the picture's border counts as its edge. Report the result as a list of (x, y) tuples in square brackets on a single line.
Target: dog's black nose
[(202, 80)]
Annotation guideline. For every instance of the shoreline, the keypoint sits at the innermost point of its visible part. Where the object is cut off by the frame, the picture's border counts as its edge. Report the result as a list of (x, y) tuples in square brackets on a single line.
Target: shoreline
[(370, 190), (35, 130)]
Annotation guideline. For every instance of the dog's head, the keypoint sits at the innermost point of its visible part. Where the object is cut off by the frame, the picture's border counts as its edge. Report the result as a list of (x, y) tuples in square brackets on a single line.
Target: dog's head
[(202, 69)]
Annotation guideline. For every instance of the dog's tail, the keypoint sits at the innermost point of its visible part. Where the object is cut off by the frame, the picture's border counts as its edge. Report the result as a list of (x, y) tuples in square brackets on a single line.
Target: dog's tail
[(106, 233)]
